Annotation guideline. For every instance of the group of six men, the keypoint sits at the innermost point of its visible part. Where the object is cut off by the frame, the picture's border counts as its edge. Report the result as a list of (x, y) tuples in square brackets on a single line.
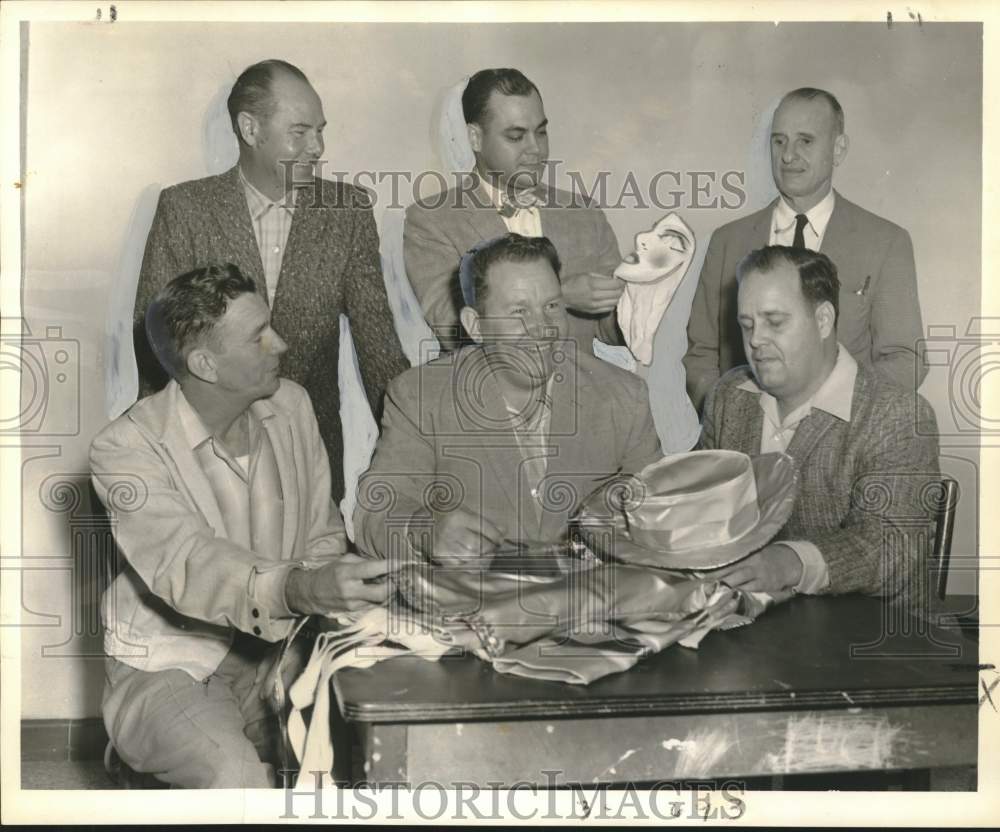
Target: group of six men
[(244, 277)]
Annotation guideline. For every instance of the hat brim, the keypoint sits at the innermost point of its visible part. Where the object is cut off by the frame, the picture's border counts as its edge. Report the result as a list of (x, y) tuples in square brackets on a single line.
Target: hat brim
[(776, 480)]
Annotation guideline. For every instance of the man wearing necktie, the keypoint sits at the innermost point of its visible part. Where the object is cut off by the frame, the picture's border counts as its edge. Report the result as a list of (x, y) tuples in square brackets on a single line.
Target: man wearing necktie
[(880, 322), (309, 244), (231, 536), (508, 132)]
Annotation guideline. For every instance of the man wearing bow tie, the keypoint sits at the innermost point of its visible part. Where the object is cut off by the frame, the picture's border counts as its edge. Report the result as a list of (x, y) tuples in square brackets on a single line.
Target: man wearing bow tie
[(508, 132), (879, 309)]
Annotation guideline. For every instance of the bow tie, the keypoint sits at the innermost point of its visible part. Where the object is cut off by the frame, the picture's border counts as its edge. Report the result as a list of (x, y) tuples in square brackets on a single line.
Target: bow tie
[(524, 199)]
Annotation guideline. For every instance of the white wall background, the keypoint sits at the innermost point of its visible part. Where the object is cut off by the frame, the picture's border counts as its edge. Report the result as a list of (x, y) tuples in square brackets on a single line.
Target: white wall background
[(115, 112)]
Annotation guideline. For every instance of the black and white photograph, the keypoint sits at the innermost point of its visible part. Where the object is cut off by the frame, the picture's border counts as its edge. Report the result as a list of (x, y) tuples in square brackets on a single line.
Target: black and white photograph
[(464, 412)]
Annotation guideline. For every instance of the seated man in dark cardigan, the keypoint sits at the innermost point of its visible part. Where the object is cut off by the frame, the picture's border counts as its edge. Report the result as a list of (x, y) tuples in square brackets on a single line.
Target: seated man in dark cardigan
[(865, 450)]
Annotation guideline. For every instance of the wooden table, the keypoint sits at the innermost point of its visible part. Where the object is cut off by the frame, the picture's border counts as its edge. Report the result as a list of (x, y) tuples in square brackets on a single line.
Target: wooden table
[(814, 685)]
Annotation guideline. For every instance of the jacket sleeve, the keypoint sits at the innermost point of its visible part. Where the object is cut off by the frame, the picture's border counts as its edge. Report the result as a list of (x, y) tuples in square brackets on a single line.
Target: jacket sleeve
[(166, 256), (895, 317), (881, 545), (391, 493), (701, 362), (432, 261), (643, 442), (170, 546), (326, 535), (608, 259), (380, 355)]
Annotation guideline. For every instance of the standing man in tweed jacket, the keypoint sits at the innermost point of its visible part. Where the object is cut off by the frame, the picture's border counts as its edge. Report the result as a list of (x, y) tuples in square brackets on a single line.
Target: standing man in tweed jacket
[(866, 450), (309, 244)]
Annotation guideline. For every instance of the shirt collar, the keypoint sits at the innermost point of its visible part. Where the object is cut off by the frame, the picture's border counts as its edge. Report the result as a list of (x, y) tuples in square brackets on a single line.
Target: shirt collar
[(260, 204), (818, 216), (197, 433), (835, 395), (194, 428)]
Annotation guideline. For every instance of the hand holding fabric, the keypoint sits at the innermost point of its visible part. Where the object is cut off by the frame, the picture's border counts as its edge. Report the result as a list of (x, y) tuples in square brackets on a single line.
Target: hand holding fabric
[(343, 584), (461, 535), (772, 569)]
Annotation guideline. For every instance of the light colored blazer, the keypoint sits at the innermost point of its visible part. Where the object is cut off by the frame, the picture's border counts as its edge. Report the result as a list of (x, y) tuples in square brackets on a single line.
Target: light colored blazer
[(447, 441), (860, 482), (185, 588), (439, 230), (879, 320), (330, 267)]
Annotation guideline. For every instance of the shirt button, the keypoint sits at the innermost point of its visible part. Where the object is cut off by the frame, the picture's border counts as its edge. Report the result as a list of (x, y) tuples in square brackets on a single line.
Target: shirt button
[(256, 631), (255, 613), (277, 249)]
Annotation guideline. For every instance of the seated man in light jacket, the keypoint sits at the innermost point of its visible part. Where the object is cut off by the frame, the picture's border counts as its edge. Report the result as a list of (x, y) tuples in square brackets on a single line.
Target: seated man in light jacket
[(218, 488)]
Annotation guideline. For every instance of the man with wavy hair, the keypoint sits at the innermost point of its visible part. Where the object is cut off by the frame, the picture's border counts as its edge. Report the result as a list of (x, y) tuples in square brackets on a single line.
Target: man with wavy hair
[(233, 536)]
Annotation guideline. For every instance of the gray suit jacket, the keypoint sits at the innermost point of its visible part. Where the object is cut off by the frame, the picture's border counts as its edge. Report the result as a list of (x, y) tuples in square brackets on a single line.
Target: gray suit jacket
[(879, 320), (185, 586), (331, 266), (865, 486), (447, 440), (439, 230)]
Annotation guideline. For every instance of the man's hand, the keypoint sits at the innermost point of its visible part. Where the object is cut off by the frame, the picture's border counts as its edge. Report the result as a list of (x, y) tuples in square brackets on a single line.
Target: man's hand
[(462, 535), (340, 586), (772, 569), (592, 293)]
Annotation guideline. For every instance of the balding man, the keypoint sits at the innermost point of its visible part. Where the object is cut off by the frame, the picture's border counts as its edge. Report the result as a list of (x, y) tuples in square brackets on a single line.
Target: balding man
[(879, 321), (309, 244)]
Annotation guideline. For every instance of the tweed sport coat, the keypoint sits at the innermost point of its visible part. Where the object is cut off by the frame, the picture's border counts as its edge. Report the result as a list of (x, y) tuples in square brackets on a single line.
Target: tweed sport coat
[(879, 320), (186, 587), (864, 485), (447, 440), (439, 230), (331, 266)]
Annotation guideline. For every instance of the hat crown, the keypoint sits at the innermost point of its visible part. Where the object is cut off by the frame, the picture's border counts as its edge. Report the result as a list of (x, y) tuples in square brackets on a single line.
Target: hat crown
[(694, 500)]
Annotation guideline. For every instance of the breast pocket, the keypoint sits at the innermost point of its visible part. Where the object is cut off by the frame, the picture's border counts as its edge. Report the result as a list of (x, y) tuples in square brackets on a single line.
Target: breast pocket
[(854, 318)]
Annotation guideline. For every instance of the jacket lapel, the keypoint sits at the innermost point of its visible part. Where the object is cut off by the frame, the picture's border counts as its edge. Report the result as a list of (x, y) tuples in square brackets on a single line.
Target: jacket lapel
[(746, 421), (485, 222), (175, 442), (279, 431), (305, 235), (233, 218)]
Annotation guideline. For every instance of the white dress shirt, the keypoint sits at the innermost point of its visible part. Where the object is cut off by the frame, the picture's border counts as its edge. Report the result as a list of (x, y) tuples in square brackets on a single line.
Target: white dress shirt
[(835, 396), (783, 223)]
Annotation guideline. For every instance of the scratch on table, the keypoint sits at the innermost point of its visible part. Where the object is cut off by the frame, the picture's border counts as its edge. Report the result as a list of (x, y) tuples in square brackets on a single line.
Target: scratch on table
[(785, 685), (847, 697), (674, 743), (835, 742), (702, 750), (612, 769)]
